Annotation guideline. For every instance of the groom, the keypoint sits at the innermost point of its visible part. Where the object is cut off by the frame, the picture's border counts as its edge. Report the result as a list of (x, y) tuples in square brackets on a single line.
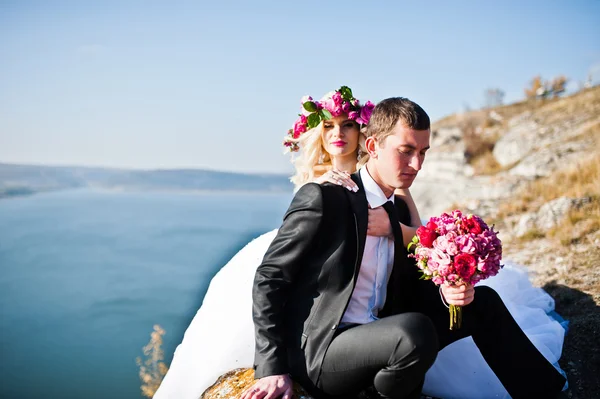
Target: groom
[(340, 312)]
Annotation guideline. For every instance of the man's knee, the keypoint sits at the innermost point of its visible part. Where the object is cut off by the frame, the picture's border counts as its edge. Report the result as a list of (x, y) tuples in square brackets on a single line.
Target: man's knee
[(417, 339), (488, 296), (415, 352)]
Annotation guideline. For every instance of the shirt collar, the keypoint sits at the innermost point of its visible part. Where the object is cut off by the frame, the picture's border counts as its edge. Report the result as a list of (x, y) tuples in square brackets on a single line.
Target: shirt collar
[(375, 195)]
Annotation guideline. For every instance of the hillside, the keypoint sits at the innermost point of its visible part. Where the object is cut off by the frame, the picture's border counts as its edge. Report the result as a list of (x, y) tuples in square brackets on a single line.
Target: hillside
[(533, 169), (16, 180)]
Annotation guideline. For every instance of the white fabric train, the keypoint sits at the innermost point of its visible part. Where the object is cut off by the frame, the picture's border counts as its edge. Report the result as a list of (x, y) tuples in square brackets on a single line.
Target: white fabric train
[(221, 335)]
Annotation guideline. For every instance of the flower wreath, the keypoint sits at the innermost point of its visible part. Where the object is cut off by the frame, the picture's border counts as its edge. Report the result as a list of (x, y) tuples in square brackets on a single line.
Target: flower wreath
[(331, 105)]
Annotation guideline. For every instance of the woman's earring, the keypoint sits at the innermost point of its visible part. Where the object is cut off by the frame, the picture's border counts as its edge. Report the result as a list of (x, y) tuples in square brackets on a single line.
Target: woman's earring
[(321, 159), (359, 154)]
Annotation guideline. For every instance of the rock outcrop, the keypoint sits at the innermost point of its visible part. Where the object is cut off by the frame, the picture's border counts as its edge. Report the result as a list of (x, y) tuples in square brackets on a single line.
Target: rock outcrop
[(534, 141), (231, 385), (550, 215)]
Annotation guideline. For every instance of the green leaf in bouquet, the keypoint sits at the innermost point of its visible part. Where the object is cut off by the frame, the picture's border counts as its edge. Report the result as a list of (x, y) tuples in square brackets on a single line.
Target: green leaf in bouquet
[(414, 242)]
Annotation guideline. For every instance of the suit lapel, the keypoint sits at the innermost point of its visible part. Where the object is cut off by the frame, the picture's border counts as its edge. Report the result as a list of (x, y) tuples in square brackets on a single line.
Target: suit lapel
[(360, 208)]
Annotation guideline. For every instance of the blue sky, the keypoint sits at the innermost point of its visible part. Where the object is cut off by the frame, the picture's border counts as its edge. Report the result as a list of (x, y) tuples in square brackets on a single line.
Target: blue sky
[(194, 84)]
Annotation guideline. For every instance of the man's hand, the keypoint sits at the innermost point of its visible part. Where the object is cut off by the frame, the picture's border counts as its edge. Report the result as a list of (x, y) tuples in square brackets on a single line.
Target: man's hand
[(270, 387), (460, 295), (378, 223)]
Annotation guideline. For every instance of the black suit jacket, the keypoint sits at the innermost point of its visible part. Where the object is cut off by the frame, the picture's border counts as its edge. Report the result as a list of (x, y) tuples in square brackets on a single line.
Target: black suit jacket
[(306, 279)]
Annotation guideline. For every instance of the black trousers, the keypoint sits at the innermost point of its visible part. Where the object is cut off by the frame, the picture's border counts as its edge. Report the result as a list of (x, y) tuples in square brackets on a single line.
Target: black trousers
[(394, 353)]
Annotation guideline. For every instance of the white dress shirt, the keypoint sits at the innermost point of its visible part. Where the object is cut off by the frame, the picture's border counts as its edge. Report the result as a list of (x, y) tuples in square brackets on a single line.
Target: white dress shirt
[(369, 293)]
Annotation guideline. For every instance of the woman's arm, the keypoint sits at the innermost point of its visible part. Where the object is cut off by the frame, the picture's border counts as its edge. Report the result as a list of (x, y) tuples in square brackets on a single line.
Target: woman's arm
[(338, 177), (408, 232), (415, 219)]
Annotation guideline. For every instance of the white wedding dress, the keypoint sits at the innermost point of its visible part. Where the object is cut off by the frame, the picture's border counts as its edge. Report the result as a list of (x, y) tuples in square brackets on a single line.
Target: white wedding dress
[(221, 335)]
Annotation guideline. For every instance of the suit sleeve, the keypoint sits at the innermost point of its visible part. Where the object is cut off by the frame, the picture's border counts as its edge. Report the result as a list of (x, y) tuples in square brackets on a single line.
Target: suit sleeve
[(280, 265)]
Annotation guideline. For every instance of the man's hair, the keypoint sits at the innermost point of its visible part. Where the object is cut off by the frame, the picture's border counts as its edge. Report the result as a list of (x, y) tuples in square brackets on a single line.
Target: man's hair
[(391, 110)]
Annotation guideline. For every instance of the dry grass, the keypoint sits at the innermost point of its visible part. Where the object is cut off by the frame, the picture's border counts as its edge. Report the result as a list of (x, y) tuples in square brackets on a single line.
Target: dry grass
[(486, 164), (579, 224), (577, 181), (153, 369), (533, 234)]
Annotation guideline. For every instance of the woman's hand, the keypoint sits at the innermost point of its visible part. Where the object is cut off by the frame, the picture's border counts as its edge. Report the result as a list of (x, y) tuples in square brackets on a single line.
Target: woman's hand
[(271, 387), (459, 295), (378, 223), (338, 177)]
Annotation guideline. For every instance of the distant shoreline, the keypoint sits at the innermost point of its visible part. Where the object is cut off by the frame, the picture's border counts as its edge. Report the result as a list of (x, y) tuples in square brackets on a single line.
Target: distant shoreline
[(27, 192), (25, 180)]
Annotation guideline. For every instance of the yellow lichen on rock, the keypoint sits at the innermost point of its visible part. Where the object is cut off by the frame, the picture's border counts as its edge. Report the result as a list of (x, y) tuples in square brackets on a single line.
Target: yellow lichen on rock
[(231, 385)]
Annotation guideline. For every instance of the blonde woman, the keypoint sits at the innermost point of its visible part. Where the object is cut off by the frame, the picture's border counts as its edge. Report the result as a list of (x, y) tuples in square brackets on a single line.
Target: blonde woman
[(334, 148)]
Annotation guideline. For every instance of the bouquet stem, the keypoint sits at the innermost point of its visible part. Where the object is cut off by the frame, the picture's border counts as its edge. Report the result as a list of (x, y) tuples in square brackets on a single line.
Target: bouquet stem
[(455, 317)]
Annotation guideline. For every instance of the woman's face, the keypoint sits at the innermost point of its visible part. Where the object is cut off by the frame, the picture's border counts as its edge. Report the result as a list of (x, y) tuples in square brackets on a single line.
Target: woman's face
[(340, 136)]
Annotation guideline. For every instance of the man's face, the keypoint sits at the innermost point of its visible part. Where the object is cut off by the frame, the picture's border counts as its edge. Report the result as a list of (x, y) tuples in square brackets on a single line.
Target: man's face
[(400, 156)]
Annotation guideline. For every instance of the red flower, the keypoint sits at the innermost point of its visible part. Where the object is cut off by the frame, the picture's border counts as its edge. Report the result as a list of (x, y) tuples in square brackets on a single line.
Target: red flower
[(465, 265), (431, 225), (426, 236), (472, 225)]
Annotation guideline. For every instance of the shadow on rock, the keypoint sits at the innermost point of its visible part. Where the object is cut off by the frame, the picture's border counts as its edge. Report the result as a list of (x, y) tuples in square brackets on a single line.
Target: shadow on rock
[(581, 352)]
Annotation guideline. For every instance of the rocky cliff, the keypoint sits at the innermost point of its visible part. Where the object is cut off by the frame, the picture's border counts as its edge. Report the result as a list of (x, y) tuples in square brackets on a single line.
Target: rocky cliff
[(537, 177)]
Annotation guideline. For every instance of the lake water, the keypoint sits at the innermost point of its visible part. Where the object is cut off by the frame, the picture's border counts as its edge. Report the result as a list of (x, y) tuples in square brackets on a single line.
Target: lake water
[(84, 275)]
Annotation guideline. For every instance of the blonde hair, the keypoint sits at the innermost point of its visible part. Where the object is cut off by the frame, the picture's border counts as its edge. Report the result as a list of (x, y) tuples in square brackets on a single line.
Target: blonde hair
[(312, 150)]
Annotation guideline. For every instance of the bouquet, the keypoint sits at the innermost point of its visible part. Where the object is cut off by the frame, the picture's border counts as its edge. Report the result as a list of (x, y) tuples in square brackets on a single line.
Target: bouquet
[(456, 249)]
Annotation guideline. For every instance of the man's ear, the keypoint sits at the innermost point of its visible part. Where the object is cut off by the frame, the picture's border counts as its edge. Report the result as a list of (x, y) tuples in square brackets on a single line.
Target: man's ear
[(371, 145)]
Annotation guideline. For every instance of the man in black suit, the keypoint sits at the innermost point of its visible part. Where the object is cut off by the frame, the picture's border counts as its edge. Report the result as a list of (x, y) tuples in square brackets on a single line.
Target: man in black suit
[(339, 311)]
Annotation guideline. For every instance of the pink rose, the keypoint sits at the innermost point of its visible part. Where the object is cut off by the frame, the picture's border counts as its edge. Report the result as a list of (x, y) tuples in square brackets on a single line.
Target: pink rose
[(365, 113), (444, 270), (467, 244), (337, 99), (438, 280), (440, 257), (352, 115), (346, 107), (300, 126), (447, 243), (328, 104)]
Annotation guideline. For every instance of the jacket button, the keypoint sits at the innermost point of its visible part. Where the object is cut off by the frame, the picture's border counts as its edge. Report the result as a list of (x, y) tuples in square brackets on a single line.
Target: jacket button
[(334, 327)]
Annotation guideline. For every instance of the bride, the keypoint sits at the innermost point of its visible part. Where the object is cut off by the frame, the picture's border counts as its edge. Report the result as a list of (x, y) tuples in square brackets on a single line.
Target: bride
[(221, 335)]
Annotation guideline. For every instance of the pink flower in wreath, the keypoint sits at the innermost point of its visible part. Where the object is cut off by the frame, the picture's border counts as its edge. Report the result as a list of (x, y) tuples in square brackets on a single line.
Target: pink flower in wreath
[(365, 113), (300, 126)]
